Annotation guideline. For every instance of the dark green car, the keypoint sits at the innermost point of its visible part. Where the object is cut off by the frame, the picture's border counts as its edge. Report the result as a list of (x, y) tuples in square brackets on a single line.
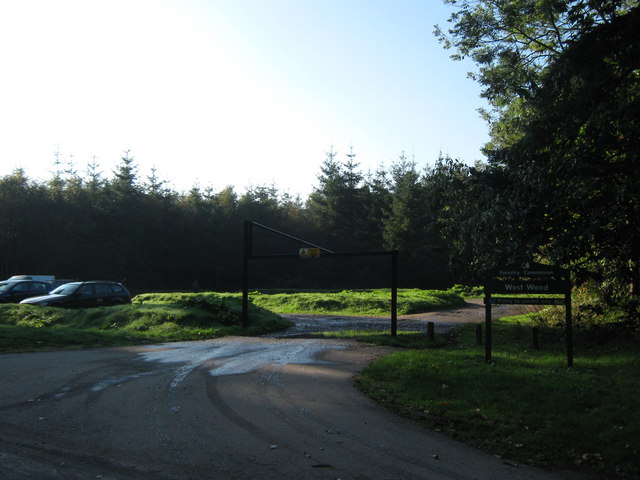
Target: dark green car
[(93, 293)]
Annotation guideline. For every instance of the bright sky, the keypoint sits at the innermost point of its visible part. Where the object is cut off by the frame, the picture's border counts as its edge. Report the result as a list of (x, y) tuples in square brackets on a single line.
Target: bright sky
[(230, 92)]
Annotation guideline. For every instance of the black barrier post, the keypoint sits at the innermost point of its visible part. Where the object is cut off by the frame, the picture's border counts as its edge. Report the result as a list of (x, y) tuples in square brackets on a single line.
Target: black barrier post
[(569, 330), (246, 253), (394, 293)]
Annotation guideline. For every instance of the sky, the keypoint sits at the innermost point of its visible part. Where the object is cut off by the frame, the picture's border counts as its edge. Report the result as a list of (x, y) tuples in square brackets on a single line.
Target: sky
[(212, 93)]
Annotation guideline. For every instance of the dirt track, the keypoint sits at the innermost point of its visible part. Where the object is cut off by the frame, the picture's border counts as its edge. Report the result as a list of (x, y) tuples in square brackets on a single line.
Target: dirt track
[(234, 408), (472, 312)]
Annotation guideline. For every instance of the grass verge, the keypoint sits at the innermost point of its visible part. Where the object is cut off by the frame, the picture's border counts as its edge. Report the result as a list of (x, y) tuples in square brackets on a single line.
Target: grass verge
[(404, 339), (176, 316), (173, 317), (526, 405), (358, 302)]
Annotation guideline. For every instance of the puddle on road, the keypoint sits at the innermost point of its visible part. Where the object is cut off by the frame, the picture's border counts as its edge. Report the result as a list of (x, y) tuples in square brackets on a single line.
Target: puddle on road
[(236, 356)]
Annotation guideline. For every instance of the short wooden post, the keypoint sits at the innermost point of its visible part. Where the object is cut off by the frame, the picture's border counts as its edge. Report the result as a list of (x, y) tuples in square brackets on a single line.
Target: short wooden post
[(487, 321), (479, 334), (430, 330), (535, 343)]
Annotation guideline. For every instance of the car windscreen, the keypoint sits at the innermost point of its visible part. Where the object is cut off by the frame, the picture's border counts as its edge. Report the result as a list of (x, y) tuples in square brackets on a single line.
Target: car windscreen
[(4, 286), (66, 289)]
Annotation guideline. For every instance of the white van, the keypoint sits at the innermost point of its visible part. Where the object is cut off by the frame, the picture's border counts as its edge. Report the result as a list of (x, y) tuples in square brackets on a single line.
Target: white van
[(39, 278)]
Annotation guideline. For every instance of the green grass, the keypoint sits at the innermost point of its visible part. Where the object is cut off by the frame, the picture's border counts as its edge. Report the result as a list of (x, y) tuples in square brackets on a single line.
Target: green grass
[(358, 302), (171, 317), (178, 316), (525, 405), (404, 339)]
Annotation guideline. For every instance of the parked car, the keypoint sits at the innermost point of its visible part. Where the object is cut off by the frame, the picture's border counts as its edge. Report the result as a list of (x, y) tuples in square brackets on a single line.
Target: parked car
[(93, 293), (12, 291)]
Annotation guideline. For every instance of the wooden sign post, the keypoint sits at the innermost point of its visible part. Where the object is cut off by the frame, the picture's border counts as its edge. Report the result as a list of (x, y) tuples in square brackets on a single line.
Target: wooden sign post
[(525, 279)]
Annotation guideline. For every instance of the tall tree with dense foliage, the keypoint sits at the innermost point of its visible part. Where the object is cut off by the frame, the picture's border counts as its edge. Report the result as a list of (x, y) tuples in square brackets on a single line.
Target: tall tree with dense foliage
[(341, 205), (577, 162), (513, 41), (562, 79)]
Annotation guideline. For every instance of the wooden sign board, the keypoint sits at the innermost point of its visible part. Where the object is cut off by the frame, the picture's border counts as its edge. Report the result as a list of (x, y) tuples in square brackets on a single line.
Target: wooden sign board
[(528, 278)]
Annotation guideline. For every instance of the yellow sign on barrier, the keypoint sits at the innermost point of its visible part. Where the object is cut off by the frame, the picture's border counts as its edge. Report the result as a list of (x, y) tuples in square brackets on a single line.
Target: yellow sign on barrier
[(309, 252)]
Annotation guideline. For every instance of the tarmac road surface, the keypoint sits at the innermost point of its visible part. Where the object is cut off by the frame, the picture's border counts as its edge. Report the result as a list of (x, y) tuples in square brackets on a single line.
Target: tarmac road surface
[(231, 408)]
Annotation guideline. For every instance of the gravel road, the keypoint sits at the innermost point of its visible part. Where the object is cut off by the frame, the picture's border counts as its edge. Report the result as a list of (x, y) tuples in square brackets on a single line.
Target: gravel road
[(231, 408), (444, 321)]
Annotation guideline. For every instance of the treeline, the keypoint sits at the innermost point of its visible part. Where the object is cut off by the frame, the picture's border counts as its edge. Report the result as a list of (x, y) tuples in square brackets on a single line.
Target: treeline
[(123, 227), (451, 222)]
